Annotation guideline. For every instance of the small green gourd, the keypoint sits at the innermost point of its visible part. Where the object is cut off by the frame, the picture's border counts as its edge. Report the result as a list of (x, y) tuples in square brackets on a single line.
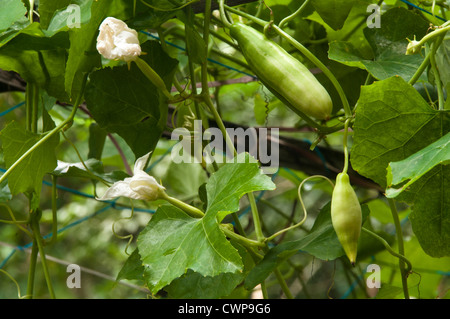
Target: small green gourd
[(346, 215)]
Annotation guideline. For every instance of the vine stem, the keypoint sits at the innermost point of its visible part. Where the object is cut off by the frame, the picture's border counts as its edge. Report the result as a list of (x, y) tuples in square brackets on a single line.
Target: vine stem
[(305, 215), (389, 248), (292, 16), (48, 135), (401, 248), (345, 169), (38, 241), (435, 70)]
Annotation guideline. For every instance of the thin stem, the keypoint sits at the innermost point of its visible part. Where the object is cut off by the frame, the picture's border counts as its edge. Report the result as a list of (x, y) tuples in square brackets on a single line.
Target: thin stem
[(47, 136), (15, 282), (40, 246), (345, 169), (241, 239), (295, 14), (190, 210), (389, 248), (401, 248), (305, 213), (441, 30), (437, 77), (420, 70), (283, 284), (32, 270)]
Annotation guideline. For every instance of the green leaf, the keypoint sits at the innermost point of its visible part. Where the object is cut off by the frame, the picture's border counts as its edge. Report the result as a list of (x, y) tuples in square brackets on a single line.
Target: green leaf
[(28, 175), (416, 165), (133, 268), (333, 12), (174, 242), (443, 61), (38, 58), (125, 102), (72, 15), (205, 287), (12, 10), (83, 56), (388, 44), (47, 9), (430, 216), (232, 181), (392, 122)]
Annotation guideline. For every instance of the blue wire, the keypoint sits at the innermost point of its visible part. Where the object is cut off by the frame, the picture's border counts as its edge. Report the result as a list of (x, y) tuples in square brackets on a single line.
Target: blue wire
[(11, 109), (209, 59), (422, 9)]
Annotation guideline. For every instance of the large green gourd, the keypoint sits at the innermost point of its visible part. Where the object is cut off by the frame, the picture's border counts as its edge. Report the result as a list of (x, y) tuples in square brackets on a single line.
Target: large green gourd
[(285, 76)]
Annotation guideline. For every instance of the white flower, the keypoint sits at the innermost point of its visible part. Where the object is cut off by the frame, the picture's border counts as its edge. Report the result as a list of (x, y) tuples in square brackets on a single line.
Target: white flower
[(139, 186), (116, 41)]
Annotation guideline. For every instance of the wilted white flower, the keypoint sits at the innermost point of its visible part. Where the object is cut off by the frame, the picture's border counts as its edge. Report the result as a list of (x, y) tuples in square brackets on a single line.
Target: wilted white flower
[(139, 186), (116, 41)]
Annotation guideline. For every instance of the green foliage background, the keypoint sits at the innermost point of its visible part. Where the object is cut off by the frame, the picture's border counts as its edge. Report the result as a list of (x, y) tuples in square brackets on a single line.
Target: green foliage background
[(372, 69)]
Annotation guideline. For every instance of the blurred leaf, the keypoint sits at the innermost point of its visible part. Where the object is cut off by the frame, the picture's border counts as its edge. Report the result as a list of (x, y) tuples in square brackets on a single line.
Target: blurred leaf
[(389, 46), (83, 56), (38, 58), (28, 175), (12, 10), (97, 138), (125, 102), (333, 12), (443, 61)]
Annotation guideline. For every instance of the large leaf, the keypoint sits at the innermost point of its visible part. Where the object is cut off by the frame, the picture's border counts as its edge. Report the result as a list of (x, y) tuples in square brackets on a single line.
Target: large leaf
[(416, 165), (334, 12), (174, 242), (37, 57), (388, 44), (430, 216), (12, 10), (125, 102), (27, 176), (231, 182), (392, 123)]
